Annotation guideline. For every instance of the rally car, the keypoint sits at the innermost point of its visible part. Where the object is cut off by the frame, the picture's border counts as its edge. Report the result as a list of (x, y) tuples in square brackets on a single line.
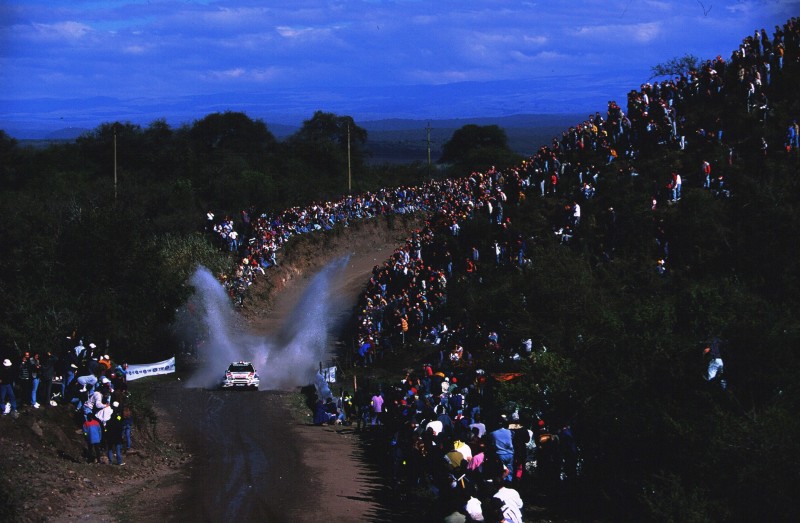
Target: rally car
[(240, 374)]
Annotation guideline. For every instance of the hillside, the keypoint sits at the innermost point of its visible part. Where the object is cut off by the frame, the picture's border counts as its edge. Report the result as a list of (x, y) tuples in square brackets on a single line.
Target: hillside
[(623, 302)]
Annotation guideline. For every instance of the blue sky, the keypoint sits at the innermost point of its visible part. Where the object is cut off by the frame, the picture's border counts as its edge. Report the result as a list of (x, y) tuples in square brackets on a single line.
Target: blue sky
[(84, 62)]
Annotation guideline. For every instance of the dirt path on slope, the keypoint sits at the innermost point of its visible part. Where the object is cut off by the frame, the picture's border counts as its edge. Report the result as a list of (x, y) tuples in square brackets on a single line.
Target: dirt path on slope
[(255, 460)]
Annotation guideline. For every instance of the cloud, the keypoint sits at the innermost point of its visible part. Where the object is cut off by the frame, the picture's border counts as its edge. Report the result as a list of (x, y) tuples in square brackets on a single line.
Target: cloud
[(660, 5), (169, 48), (642, 33), (227, 74), (57, 32), (305, 33), (135, 49), (230, 17), (241, 74), (535, 40), (439, 77)]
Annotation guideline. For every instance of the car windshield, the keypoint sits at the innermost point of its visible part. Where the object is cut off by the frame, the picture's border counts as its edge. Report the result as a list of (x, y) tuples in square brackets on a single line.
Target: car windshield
[(239, 367)]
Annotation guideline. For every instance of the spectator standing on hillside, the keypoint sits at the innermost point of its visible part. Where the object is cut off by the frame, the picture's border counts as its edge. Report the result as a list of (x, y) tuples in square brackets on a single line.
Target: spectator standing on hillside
[(706, 171), (120, 378), (713, 353), (478, 425), (67, 365), (127, 425), (24, 376), (500, 443), (676, 186), (48, 373), (7, 398), (377, 409), (114, 435), (511, 503), (792, 136), (520, 437), (35, 369), (93, 432), (93, 403)]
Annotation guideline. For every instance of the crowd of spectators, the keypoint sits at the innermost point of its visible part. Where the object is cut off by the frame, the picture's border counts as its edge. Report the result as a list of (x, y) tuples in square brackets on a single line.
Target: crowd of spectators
[(437, 428), (440, 435), (82, 378), (655, 116), (436, 422)]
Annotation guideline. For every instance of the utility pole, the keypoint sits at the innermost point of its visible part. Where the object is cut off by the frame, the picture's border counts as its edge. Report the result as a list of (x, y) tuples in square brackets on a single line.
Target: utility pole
[(429, 148), (115, 163), (349, 170)]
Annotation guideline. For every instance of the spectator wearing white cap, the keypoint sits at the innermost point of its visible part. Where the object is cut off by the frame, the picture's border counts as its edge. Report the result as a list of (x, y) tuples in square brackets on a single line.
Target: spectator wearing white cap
[(7, 398)]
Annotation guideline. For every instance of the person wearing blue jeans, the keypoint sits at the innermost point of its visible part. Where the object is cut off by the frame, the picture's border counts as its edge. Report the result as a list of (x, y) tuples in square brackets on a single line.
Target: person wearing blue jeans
[(114, 435), (87, 382), (34, 390), (676, 186), (500, 442), (68, 366), (35, 367), (7, 389), (127, 426)]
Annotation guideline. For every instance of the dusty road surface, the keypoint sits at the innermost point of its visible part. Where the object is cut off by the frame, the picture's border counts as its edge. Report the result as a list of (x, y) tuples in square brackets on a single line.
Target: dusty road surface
[(254, 462)]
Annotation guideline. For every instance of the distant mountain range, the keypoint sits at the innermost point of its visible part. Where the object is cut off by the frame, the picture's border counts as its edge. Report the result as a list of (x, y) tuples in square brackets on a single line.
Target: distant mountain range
[(395, 107)]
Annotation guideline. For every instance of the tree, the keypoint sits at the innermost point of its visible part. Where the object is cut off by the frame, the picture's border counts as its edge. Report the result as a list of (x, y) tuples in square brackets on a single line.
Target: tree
[(222, 146), (322, 142), (478, 147), (678, 66), (223, 134), (8, 149)]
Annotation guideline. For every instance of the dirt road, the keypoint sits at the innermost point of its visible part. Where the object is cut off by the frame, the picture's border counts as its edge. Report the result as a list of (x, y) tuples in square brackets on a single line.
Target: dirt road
[(253, 461)]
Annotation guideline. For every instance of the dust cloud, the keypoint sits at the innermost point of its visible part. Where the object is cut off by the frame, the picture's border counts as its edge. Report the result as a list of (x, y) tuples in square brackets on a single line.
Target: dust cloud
[(285, 359)]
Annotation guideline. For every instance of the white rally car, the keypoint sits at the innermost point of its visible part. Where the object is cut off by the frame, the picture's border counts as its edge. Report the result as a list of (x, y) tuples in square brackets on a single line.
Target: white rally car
[(240, 374)]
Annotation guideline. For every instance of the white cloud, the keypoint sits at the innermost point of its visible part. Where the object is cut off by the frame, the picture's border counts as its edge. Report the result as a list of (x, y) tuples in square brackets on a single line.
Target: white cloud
[(69, 30), (439, 77), (293, 32), (134, 49), (232, 17), (644, 33), (552, 56), (227, 74), (661, 6), (639, 33), (176, 47), (535, 40), (242, 74), (266, 75)]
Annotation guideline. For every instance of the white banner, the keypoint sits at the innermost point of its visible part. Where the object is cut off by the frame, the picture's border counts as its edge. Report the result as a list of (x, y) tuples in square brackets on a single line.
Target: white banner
[(150, 369), (329, 374)]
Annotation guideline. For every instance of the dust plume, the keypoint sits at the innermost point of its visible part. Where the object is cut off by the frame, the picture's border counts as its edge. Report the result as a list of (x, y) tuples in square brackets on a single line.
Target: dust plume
[(284, 359)]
